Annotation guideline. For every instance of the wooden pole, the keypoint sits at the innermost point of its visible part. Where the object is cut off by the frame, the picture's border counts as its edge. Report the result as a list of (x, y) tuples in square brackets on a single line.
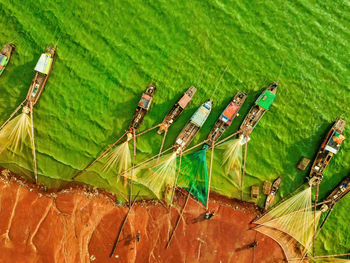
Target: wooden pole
[(162, 145), (210, 173), (244, 165), (178, 221), (175, 183), (122, 226), (33, 143), (133, 166), (315, 226), (13, 114)]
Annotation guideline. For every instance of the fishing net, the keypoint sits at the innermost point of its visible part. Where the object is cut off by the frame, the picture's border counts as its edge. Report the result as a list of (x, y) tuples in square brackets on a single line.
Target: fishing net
[(294, 217), (118, 158), (232, 159), (158, 175), (15, 133), (194, 174)]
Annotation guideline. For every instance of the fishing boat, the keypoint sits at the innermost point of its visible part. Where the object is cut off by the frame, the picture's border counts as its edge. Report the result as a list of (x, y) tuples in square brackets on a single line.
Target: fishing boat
[(192, 126), (226, 117), (338, 193), (177, 109), (42, 72), (271, 197), (5, 56), (262, 104), (329, 147), (142, 107)]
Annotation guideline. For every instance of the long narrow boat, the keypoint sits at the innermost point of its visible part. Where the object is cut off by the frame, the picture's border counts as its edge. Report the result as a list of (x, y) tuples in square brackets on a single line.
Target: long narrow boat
[(192, 126), (226, 117), (337, 194), (177, 109), (5, 56), (262, 104), (142, 107), (329, 147), (42, 72), (271, 197)]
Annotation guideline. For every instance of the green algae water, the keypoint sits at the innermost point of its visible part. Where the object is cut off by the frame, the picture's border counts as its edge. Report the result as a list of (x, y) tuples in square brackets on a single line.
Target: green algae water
[(109, 51)]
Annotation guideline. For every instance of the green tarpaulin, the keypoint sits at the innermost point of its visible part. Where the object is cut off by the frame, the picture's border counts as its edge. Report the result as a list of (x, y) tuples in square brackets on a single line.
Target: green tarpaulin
[(266, 99)]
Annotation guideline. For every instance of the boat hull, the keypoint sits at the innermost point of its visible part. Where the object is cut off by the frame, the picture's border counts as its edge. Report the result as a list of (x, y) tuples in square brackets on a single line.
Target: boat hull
[(5, 56)]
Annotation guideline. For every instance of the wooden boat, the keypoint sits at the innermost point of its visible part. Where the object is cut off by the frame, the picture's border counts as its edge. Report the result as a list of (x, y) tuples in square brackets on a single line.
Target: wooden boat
[(177, 109), (338, 193), (262, 104), (271, 197), (5, 56), (42, 72), (226, 117), (192, 126), (329, 147), (142, 107)]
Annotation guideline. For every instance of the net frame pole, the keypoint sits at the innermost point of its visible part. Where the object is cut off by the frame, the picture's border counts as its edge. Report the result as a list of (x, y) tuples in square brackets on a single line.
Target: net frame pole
[(244, 165), (210, 173), (12, 114), (33, 143), (175, 183)]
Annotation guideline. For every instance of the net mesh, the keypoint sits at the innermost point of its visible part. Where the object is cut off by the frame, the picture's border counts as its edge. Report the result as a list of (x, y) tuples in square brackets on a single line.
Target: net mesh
[(194, 174), (294, 217), (232, 159), (158, 175)]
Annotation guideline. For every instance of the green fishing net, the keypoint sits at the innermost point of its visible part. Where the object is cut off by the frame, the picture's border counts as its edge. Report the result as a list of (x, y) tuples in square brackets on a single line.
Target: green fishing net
[(194, 174)]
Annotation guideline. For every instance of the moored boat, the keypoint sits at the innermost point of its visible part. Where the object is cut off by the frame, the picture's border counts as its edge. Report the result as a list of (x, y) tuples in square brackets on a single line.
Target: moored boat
[(271, 197), (226, 117), (262, 104), (193, 126), (337, 194), (142, 107), (5, 56), (329, 147), (42, 72), (177, 109)]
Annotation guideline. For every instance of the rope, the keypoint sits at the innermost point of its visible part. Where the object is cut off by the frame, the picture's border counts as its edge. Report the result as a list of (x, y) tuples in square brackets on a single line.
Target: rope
[(13, 113), (177, 176), (217, 85), (98, 158), (210, 172), (33, 143), (150, 129), (244, 165), (122, 226), (178, 220)]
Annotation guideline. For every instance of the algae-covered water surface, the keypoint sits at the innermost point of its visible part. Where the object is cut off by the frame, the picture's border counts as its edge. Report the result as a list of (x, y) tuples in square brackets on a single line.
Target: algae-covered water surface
[(109, 51)]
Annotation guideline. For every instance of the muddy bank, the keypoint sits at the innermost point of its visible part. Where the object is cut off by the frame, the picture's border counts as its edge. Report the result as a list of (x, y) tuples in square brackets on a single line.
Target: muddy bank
[(74, 225)]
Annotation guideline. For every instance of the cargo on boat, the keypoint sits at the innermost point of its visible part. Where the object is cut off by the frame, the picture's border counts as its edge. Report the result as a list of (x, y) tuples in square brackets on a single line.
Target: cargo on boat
[(329, 147), (177, 109), (142, 108), (5, 56), (254, 192), (337, 194), (226, 117), (42, 72), (271, 196), (262, 104), (193, 126)]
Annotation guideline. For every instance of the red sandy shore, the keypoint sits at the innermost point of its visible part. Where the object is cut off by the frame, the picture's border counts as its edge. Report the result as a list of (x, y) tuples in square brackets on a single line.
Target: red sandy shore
[(76, 225)]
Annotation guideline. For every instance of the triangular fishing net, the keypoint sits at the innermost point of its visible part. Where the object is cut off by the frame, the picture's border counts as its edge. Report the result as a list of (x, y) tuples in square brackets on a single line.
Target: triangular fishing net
[(158, 175), (232, 159), (294, 217), (328, 260), (194, 174)]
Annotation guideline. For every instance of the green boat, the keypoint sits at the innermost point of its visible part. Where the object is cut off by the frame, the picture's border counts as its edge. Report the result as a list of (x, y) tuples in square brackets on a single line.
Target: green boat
[(5, 56)]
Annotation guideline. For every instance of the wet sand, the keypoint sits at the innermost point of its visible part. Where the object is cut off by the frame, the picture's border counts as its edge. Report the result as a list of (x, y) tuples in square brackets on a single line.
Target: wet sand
[(80, 225)]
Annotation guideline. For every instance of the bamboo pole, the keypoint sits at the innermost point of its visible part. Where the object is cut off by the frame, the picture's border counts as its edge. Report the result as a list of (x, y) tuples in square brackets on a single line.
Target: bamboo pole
[(244, 165), (175, 183), (122, 226), (178, 221), (162, 145), (150, 129), (99, 157), (315, 226), (33, 143), (133, 165), (210, 173)]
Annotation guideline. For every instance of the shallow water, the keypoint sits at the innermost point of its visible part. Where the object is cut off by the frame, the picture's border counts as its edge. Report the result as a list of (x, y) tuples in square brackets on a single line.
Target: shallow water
[(109, 52)]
